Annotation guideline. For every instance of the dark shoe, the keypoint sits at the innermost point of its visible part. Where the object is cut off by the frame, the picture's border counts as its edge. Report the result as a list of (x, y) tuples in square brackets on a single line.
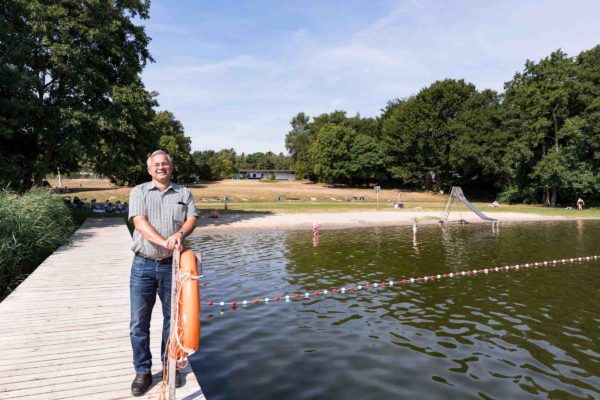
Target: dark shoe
[(141, 383), (178, 380)]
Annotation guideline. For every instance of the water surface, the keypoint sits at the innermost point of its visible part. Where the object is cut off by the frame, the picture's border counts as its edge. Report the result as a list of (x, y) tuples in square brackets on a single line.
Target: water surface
[(532, 333)]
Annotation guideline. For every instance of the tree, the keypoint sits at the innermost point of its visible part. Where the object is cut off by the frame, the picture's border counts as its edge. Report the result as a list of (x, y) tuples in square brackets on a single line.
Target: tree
[(539, 107), (297, 143), (340, 154), (224, 164), (478, 156), (63, 64), (260, 160), (283, 162), (124, 137), (203, 164), (418, 133), (586, 144), (175, 143)]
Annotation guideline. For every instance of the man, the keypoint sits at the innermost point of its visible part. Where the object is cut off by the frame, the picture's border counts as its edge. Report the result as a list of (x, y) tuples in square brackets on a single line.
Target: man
[(164, 214)]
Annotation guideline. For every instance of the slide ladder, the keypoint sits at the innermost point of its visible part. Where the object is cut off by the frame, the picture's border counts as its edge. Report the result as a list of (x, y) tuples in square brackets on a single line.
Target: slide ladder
[(457, 194)]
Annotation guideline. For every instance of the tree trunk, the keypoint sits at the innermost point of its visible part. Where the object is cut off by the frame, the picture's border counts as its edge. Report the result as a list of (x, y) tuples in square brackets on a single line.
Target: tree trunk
[(555, 120), (554, 196), (546, 196)]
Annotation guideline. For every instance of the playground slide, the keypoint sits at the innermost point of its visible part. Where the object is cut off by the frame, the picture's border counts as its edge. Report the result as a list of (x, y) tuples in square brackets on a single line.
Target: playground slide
[(457, 193), (475, 209)]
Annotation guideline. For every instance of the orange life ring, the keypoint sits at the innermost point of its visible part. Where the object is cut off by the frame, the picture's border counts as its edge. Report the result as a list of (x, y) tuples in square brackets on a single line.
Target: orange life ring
[(189, 302)]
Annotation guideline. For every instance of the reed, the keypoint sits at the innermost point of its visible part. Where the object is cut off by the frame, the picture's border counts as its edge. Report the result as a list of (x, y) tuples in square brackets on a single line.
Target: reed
[(32, 226)]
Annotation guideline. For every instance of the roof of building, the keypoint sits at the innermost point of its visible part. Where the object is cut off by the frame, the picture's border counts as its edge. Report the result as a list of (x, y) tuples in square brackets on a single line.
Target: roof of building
[(289, 171)]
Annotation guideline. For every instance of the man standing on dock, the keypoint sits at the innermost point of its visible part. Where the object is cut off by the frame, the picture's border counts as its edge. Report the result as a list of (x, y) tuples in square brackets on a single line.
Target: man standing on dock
[(164, 214)]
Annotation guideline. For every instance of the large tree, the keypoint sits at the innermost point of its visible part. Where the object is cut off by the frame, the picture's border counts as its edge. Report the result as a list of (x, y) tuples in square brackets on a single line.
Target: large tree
[(297, 143), (64, 65), (479, 154), (418, 133), (121, 139), (340, 154), (586, 147), (539, 104)]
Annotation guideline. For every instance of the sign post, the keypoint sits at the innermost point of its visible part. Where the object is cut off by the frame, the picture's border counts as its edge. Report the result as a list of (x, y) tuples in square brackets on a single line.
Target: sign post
[(377, 190)]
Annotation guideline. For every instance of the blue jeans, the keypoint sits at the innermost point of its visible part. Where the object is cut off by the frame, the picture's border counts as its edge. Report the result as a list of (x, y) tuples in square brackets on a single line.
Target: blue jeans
[(147, 279)]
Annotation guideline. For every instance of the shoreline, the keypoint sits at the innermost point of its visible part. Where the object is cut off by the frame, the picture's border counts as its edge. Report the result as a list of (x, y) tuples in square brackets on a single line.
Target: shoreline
[(249, 222)]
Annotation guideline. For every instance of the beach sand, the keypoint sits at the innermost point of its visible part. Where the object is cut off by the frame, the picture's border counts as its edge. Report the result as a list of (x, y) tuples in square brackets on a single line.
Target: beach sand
[(233, 222)]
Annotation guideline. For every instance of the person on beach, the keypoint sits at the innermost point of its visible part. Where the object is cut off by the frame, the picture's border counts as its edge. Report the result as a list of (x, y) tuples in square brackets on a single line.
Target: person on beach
[(580, 204), (163, 214), (415, 227)]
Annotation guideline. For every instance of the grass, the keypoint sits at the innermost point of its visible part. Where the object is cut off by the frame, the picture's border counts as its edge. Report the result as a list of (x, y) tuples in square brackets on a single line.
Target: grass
[(32, 226), (303, 197)]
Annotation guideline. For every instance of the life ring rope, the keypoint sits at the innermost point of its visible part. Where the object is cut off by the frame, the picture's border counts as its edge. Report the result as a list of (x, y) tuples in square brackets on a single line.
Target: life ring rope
[(184, 292)]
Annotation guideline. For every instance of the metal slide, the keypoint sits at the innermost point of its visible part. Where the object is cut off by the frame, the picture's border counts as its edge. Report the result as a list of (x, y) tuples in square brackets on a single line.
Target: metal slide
[(457, 193)]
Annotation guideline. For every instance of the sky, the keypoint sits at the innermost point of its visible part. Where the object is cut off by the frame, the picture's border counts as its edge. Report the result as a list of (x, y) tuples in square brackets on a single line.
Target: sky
[(236, 72)]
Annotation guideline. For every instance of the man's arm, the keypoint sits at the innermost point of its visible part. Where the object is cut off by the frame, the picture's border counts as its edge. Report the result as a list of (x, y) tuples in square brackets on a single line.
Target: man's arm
[(189, 226), (148, 232)]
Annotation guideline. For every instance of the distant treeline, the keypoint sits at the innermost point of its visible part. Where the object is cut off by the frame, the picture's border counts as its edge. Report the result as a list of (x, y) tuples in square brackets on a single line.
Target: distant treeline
[(539, 141), (212, 165)]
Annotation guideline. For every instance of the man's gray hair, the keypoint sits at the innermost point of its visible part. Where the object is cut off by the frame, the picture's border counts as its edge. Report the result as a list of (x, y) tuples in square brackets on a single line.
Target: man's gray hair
[(157, 152)]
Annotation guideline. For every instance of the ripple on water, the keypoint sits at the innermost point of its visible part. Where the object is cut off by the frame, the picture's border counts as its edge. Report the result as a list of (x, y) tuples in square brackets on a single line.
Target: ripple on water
[(522, 334)]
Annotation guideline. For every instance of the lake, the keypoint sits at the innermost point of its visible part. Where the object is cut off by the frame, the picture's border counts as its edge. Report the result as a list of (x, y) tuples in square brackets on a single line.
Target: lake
[(517, 334)]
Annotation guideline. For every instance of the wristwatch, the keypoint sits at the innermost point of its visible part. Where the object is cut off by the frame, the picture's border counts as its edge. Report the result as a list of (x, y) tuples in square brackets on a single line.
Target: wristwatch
[(182, 234)]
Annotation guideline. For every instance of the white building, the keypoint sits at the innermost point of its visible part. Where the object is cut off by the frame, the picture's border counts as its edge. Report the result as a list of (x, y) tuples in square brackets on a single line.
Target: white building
[(280, 174)]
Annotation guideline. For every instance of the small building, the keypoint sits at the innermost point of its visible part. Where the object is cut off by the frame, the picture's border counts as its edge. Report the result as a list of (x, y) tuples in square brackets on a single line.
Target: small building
[(280, 174)]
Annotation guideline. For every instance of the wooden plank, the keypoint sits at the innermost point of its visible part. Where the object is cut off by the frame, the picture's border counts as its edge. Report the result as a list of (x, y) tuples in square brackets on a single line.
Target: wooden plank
[(64, 332)]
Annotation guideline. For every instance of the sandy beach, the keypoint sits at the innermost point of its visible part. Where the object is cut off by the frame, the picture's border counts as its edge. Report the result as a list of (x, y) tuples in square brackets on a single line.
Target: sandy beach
[(232, 222)]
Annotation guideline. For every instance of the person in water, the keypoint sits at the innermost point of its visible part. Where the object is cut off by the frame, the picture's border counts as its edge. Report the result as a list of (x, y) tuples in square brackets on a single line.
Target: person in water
[(316, 229), (163, 214)]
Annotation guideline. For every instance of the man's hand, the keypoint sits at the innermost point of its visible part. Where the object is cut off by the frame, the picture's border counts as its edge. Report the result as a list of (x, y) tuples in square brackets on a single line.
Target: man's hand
[(173, 242)]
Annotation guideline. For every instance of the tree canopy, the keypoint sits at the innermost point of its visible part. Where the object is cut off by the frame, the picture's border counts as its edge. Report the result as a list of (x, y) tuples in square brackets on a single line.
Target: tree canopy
[(538, 139), (70, 84)]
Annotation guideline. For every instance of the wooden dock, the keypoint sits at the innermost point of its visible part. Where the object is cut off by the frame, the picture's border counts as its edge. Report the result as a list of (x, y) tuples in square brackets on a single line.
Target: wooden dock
[(64, 333)]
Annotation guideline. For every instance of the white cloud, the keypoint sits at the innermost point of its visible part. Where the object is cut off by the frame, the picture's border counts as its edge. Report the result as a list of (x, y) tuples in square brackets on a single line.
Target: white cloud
[(246, 102)]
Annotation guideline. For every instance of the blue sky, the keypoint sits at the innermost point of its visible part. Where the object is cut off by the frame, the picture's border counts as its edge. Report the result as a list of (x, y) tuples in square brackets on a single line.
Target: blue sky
[(236, 72)]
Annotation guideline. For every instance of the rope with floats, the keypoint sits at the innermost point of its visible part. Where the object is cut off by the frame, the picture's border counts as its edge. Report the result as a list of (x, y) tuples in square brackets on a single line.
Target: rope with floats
[(347, 289)]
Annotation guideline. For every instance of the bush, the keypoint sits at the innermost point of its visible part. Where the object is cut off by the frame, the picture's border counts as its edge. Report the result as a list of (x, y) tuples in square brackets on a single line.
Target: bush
[(270, 178), (513, 194), (32, 226)]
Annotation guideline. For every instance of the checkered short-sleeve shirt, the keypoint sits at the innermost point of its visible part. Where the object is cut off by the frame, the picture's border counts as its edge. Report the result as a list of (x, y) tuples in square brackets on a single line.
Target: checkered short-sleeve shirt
[(166, 212)]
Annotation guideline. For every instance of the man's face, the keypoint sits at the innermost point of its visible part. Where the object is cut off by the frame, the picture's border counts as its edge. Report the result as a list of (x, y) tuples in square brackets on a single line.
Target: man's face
[(160, 169)]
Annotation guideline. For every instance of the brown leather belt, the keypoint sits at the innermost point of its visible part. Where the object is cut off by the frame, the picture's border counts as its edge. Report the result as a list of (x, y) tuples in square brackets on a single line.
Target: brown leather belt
[(166, 260)]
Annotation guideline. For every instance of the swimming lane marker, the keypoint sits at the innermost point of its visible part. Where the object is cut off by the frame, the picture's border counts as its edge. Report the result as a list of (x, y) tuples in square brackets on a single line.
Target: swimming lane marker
[(298, 296)]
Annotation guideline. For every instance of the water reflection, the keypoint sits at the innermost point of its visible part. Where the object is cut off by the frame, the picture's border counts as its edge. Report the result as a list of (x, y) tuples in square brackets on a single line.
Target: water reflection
[(514, 335)]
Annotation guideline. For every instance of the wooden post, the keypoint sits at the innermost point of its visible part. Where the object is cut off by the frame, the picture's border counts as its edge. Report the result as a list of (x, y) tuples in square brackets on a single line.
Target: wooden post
[(172, 361)]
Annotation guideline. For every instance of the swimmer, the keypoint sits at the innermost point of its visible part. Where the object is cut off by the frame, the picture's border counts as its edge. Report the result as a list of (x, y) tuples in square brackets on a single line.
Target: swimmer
[(316, 229), (315, 240)]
